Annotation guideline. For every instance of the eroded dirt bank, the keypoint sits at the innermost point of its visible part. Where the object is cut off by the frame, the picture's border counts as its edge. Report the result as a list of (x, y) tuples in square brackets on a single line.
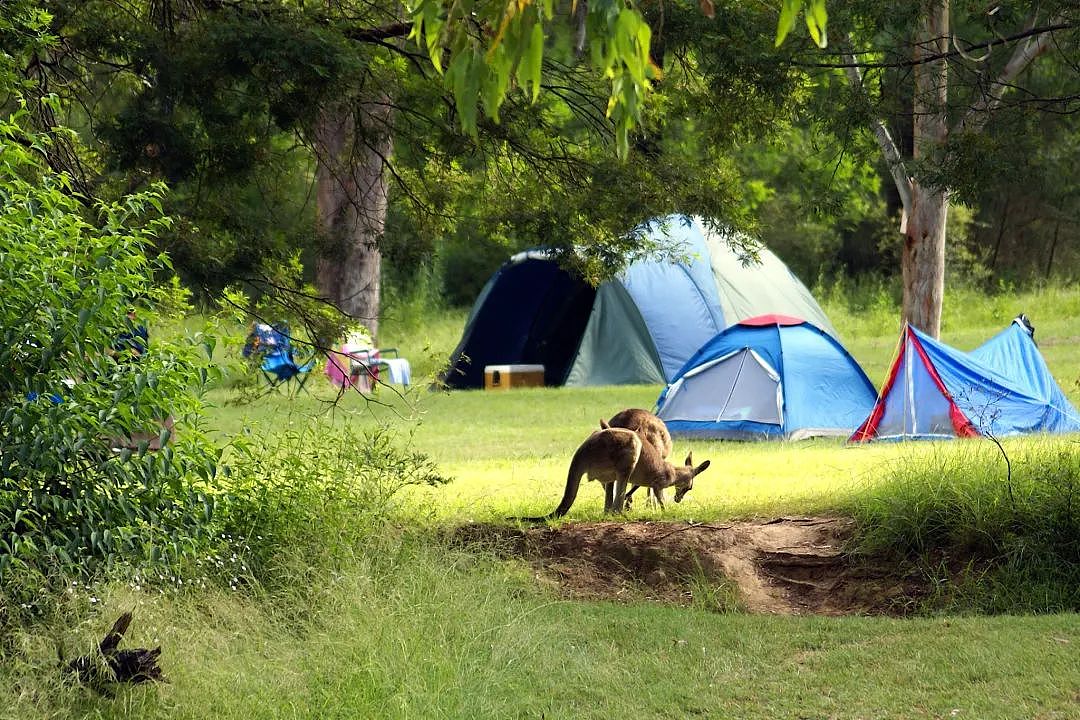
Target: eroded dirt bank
[(787, 565)]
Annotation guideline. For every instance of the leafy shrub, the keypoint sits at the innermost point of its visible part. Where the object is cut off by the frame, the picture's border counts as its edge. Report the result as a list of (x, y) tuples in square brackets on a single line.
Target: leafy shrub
[(73, 499)]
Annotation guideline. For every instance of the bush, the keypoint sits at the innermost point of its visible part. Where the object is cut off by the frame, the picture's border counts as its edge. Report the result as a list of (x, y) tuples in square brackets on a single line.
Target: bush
[(73, 499), (300, 502)]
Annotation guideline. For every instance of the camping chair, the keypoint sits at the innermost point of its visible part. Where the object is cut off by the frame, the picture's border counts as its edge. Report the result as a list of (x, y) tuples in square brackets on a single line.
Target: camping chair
[(386, 363), (270, 344), (365, 368)]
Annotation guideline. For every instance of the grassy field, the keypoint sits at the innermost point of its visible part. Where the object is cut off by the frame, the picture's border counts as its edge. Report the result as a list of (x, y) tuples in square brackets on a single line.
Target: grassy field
[(405, 626), (449, 636), (508, 452)]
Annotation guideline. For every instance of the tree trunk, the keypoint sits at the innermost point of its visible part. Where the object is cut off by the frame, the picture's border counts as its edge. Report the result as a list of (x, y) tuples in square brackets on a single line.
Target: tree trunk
[(1001, 232), (352, 143), (923, 257), (1053, 247)]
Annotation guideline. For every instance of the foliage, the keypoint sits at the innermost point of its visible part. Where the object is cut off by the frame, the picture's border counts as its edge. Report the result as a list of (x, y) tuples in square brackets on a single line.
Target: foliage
[(816, 19), (79, 489), (818, 204), (1017, 536), (303, 499), (480, 66)]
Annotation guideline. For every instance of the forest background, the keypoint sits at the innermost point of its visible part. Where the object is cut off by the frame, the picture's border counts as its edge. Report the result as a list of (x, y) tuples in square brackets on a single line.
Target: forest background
[(319, 145)]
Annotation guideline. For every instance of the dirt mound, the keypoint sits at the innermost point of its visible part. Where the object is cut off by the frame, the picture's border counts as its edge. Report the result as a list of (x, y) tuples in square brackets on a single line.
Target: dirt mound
[(790, 566)]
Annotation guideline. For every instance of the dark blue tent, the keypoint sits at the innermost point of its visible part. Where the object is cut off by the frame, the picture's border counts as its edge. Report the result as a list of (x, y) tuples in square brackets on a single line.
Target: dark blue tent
[(1001, 388), (770, 377)]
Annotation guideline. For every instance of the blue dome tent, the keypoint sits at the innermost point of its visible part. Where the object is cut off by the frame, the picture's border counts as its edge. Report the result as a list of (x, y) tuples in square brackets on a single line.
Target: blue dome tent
[(770, 377), (640, 327)]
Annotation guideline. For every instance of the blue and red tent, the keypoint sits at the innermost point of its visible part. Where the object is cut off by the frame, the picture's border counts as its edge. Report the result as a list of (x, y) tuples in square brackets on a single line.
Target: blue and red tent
[(1001, 388)]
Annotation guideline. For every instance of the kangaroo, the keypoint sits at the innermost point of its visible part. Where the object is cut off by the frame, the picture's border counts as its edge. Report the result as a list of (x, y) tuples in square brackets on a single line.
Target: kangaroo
[(650, 429), (617, 457)]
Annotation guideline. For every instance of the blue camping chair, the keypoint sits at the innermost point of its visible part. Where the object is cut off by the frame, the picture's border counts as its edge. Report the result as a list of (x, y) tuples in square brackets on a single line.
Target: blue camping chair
[(271, 344)]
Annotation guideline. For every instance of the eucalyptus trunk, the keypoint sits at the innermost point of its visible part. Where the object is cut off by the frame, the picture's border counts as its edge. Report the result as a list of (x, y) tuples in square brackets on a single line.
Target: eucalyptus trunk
[(923, 256), (352, 144)]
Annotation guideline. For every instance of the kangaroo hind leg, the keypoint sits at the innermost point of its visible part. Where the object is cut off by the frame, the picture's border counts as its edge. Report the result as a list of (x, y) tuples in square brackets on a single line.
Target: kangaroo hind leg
[(620, 496)]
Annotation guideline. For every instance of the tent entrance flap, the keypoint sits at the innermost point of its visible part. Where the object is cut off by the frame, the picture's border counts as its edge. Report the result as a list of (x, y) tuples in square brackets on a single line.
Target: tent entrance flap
[(921, 409), (738, 387), (557, 326)]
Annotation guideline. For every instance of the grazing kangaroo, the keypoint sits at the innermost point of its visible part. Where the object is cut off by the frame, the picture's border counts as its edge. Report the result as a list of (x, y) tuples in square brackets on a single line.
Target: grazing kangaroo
[(650, 429), (617, 457)]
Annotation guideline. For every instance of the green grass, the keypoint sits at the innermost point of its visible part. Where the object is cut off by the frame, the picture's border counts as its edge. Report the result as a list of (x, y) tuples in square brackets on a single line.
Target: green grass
[(508, 452), (422, 632), (404, 626)]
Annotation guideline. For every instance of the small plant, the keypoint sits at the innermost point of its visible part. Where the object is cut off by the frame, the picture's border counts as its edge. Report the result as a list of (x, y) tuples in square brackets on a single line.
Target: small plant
[(300, 500), (717, 595)]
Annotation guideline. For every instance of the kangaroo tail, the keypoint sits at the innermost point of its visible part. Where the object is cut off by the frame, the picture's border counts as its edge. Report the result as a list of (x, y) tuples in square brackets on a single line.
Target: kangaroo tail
[(573, 482)]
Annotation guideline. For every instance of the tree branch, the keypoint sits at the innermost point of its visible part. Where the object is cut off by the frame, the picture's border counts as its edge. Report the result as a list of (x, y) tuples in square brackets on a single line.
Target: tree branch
[(889, 148), (850, 61), (979, 112), (375, 34)]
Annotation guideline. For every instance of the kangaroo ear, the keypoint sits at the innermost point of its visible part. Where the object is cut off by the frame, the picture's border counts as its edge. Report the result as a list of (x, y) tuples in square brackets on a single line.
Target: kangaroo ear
[(604, 425), (702, 467), (690, 458)]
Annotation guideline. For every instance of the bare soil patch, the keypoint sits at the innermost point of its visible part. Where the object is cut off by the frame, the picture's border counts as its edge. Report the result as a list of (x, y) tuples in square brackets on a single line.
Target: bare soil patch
[(786, 566)]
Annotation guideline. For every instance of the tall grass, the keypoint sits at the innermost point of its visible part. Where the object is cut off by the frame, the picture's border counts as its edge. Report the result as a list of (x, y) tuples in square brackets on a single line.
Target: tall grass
[(414, 629), (1000, 527)]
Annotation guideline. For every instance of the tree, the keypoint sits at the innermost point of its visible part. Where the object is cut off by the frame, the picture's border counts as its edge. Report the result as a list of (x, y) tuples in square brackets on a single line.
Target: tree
[(223, 91), (935, 49)]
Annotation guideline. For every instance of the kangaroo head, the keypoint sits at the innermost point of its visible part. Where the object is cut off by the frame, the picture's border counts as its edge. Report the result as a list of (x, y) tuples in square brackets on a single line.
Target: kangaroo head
[(684, 476)]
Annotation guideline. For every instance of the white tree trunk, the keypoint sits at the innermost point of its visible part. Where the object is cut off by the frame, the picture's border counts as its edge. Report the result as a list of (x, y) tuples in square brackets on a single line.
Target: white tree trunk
[(352, 144), (923, 256)]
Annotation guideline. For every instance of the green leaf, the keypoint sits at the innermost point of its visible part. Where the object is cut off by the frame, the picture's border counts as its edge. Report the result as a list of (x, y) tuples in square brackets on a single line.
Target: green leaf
[(534, 59), (789, 11), (816, 18)]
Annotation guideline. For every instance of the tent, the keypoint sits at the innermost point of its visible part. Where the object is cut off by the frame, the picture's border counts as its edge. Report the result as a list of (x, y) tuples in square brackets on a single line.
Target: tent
[(1001, 388), (640, 327), (769, 377)]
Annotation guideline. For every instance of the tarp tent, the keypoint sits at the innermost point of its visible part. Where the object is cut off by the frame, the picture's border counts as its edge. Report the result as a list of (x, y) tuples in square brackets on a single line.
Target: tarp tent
[(770, 377), (640, 327), (1001, 388)]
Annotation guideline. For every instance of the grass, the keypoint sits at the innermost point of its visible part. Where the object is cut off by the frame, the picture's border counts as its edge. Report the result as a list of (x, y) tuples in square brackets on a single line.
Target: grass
[(403, 626), (508, 452), (421, 632)]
